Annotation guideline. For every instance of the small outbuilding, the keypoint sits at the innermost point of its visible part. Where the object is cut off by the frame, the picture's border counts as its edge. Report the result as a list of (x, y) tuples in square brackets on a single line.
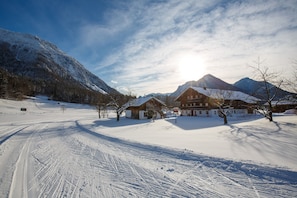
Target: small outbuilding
[(144, 108), (282, 105)]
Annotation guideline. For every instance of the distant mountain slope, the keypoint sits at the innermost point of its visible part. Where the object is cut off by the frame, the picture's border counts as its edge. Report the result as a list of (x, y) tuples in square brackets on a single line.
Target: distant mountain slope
[(40, 61), (257, 89), (208, 81)]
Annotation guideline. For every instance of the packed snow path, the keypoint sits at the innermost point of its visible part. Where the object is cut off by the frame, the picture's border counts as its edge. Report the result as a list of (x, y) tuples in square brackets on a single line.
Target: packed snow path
[(67, 160), (52, 157)]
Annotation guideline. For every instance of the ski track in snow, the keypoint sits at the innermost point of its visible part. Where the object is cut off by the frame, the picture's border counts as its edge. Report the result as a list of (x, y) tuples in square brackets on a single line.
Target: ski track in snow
[(51, 157), (67, 159)]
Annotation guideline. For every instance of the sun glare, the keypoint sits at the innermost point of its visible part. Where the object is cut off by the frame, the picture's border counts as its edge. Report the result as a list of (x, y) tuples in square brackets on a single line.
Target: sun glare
[(191, 67)]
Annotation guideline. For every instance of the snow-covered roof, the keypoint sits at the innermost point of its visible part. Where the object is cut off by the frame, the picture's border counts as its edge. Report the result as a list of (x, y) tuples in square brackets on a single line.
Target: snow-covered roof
[(224, 94), (282, 102), (140, 101)]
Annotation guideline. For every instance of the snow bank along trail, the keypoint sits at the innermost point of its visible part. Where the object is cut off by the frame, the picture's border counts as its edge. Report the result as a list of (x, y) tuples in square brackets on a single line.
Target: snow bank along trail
[(60, 156), (68, 160)]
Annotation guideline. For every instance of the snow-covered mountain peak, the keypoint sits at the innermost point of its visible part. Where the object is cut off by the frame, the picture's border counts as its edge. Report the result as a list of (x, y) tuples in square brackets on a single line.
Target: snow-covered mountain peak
[(26, 40), (28, 54)]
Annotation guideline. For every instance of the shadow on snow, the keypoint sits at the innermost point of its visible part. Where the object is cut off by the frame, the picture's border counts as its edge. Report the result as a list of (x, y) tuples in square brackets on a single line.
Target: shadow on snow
[(273, 175), (194, 122), (111, 122)]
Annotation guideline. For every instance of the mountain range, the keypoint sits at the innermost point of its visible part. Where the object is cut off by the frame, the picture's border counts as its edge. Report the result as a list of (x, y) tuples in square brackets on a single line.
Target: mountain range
[(49, 70), (31, 66), (258, 89), (245, 85)]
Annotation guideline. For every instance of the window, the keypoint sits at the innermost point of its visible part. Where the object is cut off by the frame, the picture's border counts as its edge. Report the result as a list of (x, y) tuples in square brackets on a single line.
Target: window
[(206, 104), (200, 104)]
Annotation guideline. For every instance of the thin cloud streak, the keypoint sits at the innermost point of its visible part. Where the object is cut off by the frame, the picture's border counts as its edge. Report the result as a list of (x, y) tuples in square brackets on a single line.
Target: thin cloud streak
[(227, 37), (141, 44)]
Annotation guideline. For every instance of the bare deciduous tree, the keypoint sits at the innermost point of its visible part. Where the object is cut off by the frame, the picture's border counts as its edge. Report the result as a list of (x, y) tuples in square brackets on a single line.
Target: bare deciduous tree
[(101, 104), (101, 107), (221, 99), (268, 78), (117, 101), (63, 108), (292, 82)]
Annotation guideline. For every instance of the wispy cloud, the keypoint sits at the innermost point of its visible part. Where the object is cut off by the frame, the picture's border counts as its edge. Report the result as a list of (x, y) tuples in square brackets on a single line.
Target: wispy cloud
[(226, 35), (140, 44)]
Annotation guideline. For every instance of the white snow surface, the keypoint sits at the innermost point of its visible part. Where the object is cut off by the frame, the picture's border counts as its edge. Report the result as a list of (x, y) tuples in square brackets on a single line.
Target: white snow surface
[(57, 149)]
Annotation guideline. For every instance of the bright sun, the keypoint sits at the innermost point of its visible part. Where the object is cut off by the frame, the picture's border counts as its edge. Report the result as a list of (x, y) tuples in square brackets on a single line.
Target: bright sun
[(191, 67)]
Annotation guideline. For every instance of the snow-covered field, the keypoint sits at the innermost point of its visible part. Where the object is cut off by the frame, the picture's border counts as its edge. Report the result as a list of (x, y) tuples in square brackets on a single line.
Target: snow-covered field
[(48, 152)]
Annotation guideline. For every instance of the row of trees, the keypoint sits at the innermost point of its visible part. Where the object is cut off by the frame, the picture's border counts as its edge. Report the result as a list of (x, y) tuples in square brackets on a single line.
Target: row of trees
[(16, 87)]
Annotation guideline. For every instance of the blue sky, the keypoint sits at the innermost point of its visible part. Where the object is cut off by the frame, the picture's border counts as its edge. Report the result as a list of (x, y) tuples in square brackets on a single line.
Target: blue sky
[(142, 46)]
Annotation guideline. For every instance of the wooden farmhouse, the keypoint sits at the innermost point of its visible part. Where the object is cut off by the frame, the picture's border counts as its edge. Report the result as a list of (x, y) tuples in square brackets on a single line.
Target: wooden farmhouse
[(144, 108), (204, 102)]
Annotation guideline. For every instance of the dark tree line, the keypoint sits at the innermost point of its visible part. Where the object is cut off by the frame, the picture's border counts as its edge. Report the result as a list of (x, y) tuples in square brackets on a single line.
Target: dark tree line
[(15, 87)]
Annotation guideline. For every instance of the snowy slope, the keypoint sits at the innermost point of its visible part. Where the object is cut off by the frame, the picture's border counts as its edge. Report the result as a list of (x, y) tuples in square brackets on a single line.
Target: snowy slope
[(48, 152), (27, 54)]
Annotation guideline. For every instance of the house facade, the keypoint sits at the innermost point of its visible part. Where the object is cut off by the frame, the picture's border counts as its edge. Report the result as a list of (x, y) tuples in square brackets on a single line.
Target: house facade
[(204, 102), (144, 108)]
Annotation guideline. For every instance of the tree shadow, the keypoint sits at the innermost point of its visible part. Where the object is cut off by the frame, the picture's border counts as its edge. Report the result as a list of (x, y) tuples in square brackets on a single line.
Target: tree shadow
[(112, 122), (7, 136), (264, 139), (265, 173), (192, 122)]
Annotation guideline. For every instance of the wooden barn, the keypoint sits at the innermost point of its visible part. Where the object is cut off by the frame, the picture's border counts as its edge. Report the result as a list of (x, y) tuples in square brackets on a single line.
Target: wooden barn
[(144, 108)]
